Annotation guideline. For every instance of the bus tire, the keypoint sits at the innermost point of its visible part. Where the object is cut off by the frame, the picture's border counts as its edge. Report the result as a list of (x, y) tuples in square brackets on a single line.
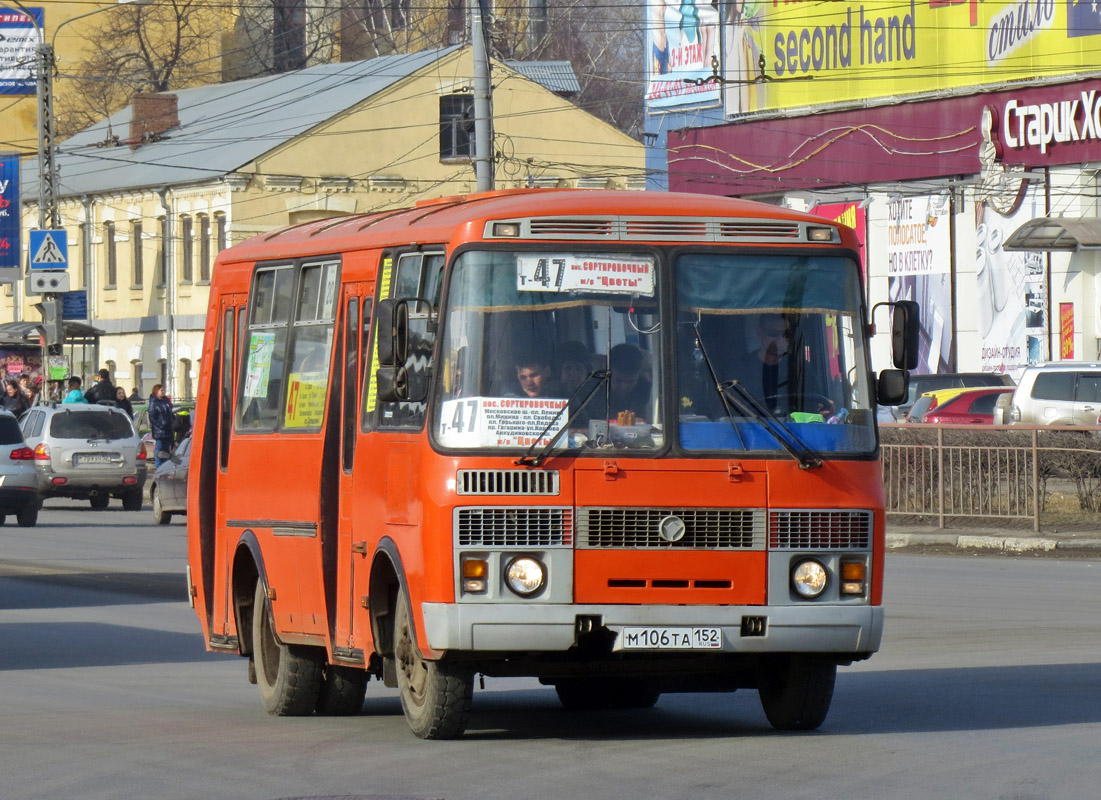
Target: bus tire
[(436, 697), (160, 516), (288, 676), (590, 694), (796, 691), (342, 691)]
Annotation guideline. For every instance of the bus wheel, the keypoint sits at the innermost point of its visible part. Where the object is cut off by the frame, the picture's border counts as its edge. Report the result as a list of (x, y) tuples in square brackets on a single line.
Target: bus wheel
[(435, 696), (289, 676), (342, 691), (796, 691), (594, 693)]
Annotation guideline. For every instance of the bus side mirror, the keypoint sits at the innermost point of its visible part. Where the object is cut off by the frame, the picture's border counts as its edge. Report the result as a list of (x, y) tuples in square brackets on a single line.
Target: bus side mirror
[(399, 385), (905, 330), (392, 332), (892, 387)]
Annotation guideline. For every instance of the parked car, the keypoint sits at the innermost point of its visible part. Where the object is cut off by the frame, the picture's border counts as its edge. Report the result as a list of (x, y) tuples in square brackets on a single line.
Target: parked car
[(920, 384), (169, 489), (1056, 393), (963, 406), (18, 479), (930, 400), (86, 451)]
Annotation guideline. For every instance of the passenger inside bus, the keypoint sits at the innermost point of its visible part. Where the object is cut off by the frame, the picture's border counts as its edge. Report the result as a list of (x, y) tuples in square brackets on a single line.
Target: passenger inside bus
[(534, 376)]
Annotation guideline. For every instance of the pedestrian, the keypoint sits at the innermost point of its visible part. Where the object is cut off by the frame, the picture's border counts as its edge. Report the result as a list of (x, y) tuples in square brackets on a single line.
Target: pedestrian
[(160, 420), (134, 396), (102, 390), (27, 387), (123, 402), (13, 398), (75, 394)]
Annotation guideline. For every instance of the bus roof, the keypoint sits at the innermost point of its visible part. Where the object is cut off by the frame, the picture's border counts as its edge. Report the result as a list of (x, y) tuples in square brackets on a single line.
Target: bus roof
[(441, 220)]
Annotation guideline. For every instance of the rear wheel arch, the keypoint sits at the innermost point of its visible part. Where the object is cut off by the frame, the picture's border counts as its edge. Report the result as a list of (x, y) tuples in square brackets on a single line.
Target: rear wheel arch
[(387, 576), (248, 569)]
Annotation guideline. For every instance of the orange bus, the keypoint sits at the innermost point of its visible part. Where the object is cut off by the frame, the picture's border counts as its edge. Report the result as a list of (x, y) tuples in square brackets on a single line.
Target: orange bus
[(622, 442)]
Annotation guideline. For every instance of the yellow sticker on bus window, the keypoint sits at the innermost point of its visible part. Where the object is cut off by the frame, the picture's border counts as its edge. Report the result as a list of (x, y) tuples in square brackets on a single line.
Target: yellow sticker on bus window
[(370, 402), (305, 400)]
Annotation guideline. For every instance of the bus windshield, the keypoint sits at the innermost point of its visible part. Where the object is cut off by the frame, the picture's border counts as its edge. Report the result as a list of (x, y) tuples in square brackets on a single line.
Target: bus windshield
[(567, 350)]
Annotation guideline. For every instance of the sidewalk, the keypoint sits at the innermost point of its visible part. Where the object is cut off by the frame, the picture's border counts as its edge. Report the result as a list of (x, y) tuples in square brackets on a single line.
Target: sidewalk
[(1079, 542)]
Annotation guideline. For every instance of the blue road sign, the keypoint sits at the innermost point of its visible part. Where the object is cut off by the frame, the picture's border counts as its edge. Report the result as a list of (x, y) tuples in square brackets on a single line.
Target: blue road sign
[(49, 249)]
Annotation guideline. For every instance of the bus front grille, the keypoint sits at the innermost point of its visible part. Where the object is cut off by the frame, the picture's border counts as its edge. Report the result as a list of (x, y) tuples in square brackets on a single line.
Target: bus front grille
[(500, 526), (671, 528), (813, 529)]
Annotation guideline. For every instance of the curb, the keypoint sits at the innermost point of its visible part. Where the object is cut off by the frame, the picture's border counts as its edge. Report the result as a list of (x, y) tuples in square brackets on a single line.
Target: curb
[(1004, 544)]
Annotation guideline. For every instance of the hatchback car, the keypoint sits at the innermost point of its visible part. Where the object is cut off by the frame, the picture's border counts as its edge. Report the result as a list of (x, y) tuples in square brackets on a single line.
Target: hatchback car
[(18, 480), (920, 384), (169, 488), (965, 407), (87, 451)]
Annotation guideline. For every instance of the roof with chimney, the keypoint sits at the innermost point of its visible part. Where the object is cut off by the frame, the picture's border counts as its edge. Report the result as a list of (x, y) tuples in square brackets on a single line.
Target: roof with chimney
[(221, 127)]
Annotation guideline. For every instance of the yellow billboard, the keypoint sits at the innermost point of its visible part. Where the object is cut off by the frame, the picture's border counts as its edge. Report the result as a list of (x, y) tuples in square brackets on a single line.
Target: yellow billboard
[(782, 54)]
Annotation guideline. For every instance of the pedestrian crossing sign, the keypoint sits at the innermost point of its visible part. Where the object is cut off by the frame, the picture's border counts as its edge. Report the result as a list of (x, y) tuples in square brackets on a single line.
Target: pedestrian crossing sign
[(49, 249)]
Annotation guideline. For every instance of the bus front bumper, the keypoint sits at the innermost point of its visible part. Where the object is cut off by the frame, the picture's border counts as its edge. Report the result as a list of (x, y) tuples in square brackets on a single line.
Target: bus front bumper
[(529, 627)]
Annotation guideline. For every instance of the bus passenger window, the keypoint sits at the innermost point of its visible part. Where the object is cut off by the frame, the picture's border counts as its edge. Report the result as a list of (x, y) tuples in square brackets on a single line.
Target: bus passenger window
[(308, 376), (262, 364)]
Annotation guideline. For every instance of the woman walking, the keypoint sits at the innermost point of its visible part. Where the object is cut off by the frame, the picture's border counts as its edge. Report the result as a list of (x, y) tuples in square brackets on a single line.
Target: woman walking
[(160, 420)]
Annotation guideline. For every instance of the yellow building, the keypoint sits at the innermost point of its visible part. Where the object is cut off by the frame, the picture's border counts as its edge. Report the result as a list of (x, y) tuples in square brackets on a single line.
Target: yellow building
[(149, 195)]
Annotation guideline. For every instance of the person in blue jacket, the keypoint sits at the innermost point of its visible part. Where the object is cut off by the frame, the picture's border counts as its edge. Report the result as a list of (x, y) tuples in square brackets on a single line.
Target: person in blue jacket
[(75, 395), (160, 420)]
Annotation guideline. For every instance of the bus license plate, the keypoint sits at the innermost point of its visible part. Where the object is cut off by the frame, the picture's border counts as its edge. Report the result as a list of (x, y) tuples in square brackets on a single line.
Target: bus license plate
[(671, 638)]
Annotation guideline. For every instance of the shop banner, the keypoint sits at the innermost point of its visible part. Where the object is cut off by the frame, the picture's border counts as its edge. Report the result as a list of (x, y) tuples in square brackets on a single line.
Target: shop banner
[(848, 52), (682, 36), (9, 219), (1066, 331), (18, 46)]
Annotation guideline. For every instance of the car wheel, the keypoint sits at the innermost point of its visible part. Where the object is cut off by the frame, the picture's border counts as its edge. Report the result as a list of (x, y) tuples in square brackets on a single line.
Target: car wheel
[(160, 516), (435, 696), (28, 516), (99, 501), (288, 676), (131, 500)]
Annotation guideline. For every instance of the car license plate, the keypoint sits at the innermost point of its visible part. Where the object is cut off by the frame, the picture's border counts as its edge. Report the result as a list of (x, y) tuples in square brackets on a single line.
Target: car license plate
[(92, 458), (671, 639)]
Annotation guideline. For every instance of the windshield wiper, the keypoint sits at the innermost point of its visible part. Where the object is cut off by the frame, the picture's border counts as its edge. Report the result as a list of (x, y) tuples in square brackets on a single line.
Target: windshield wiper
[(601, 375), (732, 392)]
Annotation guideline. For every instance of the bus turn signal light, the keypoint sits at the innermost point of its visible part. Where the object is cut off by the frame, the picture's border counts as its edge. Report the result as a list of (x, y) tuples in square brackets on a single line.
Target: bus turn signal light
[(475, 571), (852, 577)]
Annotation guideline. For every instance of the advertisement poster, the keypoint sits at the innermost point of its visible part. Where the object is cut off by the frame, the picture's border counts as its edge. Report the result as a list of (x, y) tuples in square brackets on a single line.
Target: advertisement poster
[(682, 36), (846, 52), (18, 43), (1066, 331), (1011, 294), (9, 219), (918, 268)]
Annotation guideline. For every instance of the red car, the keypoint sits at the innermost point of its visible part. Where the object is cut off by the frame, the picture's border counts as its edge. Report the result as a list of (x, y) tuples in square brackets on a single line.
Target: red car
[(972, 407)]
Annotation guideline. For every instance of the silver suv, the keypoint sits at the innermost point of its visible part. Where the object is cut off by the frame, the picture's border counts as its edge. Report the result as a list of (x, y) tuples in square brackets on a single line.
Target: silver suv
[(1057, 393), (87, 451), (18, 481)]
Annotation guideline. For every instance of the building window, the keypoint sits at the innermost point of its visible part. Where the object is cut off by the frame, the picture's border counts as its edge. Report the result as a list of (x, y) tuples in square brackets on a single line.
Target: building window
[(135, 371), (139, 266), (187, 248), (204, 248), (110, 255), (383, 15), (456, 127), (223, 234), (163, 368), (537, 28), (183, 391), (162, 251)]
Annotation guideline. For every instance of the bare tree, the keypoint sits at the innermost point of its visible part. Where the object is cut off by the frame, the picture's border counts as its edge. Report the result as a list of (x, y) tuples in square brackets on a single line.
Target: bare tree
[(166, 45)]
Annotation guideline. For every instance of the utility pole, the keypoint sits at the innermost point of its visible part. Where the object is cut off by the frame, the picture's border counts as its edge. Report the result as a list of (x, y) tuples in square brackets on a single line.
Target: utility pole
[(483, 100)]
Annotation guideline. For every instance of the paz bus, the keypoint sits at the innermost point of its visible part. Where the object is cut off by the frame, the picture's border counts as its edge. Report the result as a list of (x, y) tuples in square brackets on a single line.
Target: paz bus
[(621, 442)]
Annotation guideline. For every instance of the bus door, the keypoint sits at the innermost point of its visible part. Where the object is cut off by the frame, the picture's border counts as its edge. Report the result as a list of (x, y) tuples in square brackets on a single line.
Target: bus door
[(352, 565), (231, 324)]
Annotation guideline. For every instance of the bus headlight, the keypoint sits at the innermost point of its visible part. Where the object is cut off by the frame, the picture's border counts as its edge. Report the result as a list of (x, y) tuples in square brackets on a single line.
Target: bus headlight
[(526, 576), (809, 578)]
